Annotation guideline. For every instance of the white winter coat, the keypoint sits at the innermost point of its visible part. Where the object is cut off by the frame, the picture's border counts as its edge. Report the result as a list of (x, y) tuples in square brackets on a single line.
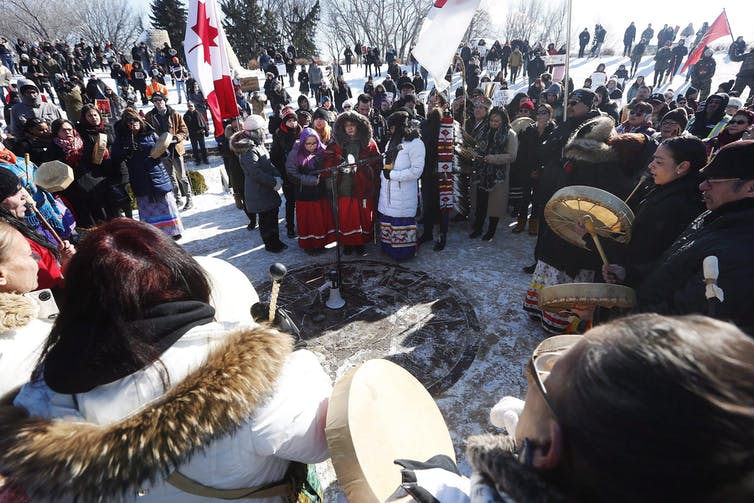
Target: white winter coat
[(399, 195), (289, 425)]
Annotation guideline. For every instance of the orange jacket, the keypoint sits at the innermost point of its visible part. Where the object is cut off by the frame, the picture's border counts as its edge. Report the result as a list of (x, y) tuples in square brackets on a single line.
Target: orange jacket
[(156, 87)]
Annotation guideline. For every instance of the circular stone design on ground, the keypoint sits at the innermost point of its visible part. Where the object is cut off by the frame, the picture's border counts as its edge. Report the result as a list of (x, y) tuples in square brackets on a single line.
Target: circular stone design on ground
[(424, 325)]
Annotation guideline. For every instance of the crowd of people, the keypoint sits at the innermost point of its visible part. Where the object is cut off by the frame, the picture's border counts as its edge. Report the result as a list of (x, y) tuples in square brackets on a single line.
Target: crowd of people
[(146, 360)]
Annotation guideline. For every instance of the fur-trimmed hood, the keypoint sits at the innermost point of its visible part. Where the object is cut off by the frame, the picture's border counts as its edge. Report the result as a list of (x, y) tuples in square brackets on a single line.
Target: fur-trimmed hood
[(55, 459), (589, 142), (16, 311), (493, 456), (240, 142), (364, 132)]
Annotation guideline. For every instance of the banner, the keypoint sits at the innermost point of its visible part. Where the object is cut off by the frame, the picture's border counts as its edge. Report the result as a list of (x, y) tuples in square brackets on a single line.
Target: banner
[(718, 29)]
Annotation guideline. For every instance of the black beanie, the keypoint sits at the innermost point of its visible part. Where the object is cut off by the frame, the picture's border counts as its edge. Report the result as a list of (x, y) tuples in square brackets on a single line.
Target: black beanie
[(585, 96), (9, 184), (678, 115)]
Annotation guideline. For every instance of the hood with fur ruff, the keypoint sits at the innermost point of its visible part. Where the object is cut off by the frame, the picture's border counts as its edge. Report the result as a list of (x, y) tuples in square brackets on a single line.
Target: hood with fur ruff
[(111, 462), (364, 129)]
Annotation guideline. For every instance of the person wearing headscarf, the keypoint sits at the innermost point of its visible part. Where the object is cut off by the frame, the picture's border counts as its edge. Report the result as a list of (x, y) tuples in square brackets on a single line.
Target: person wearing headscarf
[(314, 215)]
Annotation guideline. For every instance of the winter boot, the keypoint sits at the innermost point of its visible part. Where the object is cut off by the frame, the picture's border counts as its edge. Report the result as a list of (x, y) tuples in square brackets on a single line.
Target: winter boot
[(520, 225), (440, 243), (189, 203), (533, 225), (239, 201), (491, 229)]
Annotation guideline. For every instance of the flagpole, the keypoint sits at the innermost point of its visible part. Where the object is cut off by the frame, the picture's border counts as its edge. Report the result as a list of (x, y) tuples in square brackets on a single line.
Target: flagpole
[(567, 62), (728, 23)]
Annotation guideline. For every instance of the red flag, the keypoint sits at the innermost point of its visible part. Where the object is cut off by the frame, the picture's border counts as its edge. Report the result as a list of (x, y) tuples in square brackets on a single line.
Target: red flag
[(207, 60), (718, 29)]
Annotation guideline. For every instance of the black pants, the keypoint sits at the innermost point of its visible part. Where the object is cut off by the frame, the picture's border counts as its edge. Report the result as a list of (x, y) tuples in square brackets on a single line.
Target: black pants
[(482, 201), (529, 195), (268, 227), (634, 66), (581, 50), (198, 148), (431, 213), (627, 48), (514, 73), (289, 191)]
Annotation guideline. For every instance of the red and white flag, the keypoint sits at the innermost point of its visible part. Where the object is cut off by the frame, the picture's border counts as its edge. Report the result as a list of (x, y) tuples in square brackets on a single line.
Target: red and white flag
[(207, 60), (440, 35), (717, 29)]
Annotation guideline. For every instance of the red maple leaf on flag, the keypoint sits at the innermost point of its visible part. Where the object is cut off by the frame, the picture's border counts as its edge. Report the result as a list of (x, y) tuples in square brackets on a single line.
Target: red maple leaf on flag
[(207, 33)]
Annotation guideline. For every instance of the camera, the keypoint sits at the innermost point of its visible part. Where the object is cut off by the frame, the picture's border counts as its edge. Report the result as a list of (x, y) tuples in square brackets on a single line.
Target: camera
[(48, 308)]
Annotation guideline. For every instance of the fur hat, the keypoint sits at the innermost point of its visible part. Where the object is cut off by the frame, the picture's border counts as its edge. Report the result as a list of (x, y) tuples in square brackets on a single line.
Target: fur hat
[(678, 115), (734, 160), (9, 184), (254, 122), (734, 101)]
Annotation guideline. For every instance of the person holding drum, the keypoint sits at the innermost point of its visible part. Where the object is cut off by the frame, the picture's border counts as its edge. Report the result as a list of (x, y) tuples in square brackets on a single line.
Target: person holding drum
[(96, 140), (645, 408), (669, 207), (149, 179), (141, 370)]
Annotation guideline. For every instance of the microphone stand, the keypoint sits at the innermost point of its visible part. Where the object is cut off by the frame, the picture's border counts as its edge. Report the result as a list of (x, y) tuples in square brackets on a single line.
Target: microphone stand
[(344, 167)]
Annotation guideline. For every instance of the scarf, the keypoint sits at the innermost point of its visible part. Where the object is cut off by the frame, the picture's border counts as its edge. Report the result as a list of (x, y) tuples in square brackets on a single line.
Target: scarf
[(70, 368), (445, 144), (490, 141), (72, 149)]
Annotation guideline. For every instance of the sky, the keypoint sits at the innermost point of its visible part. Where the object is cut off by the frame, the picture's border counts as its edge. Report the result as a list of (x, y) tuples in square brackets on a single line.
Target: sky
[(586, 13)]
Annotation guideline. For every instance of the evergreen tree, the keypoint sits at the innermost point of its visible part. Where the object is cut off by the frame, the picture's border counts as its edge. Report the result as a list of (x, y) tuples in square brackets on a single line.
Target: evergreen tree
[(249, 28), (170, 15), (301, 26)]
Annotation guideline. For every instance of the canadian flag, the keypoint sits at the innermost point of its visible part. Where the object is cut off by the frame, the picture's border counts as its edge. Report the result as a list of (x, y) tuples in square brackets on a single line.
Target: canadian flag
[(440, 35), (207, 60), (719, 28)]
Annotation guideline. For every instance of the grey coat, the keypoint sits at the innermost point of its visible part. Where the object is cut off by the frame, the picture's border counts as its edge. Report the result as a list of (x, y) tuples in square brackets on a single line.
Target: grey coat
[(259, 174)]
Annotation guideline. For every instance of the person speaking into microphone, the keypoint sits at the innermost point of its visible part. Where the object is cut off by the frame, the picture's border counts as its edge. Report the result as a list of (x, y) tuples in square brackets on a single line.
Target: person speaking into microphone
[(356, 188)]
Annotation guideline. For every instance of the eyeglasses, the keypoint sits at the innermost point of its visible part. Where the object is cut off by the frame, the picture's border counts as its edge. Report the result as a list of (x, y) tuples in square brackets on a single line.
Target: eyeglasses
[(543, 112), (739, 122), (543, 360)]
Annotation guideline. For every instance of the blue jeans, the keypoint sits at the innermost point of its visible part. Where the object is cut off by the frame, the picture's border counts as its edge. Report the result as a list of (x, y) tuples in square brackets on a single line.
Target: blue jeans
[(180, 89), (8, 62)]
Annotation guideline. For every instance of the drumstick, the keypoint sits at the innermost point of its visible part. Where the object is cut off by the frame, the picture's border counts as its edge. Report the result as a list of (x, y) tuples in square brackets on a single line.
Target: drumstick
[(26, 159), (46, 224), (641, 182), (277, 272), (589, 224)]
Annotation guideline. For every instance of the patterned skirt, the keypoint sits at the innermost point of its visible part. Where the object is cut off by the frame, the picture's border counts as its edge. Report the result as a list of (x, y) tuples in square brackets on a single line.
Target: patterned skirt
[(556, 322), (315, 224), (160, 211), (398, 236)]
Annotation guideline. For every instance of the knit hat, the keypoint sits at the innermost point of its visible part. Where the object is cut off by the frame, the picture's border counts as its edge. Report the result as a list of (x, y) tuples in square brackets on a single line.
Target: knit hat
[(678, 115), (585, 96), (482, 101), (734, 160), (526, 104), (324, 99), (657, 97), (321, 113), (554, 89), (287, 112), (9, 184), (254, 122), (734, 101)]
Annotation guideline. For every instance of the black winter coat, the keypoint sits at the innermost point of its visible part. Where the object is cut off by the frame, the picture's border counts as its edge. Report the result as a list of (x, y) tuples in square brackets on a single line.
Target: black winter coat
[(676, 285)]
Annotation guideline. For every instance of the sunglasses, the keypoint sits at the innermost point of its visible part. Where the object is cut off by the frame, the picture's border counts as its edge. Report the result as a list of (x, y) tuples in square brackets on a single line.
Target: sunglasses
[(543, 360), (543, 112), (739, 122)]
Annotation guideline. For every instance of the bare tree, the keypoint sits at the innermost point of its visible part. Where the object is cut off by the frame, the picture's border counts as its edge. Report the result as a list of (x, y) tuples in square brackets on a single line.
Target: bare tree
[(480, 25), (37, 19), (537, 21), (380, 23), (112, 20), (554, 27)]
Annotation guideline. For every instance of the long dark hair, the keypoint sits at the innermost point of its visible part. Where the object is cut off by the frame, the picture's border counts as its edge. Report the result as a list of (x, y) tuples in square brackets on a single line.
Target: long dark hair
[(659, 408)]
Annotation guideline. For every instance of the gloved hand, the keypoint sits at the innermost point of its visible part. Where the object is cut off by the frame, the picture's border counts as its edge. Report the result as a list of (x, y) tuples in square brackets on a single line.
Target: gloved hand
[(283, 322), (278, 183), (436, 480), (506, 412), (386, 174)]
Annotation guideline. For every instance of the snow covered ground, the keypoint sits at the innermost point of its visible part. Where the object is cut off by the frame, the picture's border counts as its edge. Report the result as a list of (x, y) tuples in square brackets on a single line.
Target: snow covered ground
[(489, 274)]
